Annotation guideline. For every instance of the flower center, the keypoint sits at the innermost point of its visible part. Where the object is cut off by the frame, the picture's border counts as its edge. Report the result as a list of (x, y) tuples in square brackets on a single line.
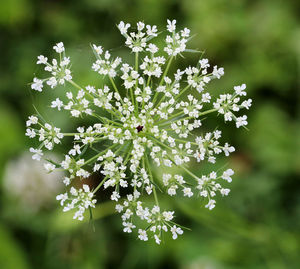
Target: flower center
[(139, 128)]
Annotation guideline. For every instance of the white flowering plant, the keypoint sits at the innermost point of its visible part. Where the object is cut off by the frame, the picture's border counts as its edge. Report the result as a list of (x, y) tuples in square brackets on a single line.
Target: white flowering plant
[(151, 119)]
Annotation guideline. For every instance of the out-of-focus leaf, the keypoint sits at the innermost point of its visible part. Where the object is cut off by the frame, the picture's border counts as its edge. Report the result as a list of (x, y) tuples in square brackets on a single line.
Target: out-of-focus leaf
[(14, 12), (11, 133), (273, 139), (11, 254)]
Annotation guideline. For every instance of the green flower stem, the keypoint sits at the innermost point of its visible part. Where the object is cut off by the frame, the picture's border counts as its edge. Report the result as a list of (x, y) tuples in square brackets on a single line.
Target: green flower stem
[(162, 144), (182, 118), (155, 196), (184, 168), (128, 153), (164, 96), (100, 184), (114, 111), (104, 179), (148, 81), (121, 147), (151, 176), (103, 210), (163, 122), (115, 88), (92, 97), (134, 102), (81, 88), (99, 154), (75, 84), (132, 98), (136, 61), (166, 70), (182, 92), (99, 139), (208, 111), (162, 79), (103, 119), (78, 87), (184, 141), (70, 134)]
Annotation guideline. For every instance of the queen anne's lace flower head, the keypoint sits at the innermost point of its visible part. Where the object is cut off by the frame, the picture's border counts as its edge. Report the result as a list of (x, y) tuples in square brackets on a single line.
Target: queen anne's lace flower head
[(148, 118)]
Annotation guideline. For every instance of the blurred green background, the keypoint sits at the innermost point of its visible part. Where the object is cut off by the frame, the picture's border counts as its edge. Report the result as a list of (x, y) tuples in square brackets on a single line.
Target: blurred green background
[(257, 226)]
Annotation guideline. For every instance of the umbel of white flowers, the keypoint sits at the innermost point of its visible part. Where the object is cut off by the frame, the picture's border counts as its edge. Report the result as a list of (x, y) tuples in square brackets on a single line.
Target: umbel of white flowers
[(150, 119)]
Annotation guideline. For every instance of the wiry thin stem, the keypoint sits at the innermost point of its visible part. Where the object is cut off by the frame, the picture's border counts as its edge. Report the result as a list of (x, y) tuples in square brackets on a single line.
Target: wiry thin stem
[(162, 79), (182, 92), (99, 154), (151, 176), (184, 168), (100, 184), (115, 88)]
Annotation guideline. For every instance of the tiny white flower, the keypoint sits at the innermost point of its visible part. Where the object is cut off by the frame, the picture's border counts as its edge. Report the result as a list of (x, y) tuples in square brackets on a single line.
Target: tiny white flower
[(227, 175), (59, 47), (49, 167), (37, 154), (240, 90), (123, 27), (30, 133), (241, 121), (37, 85), (143, 235), (31, 120), (66, 181), (224, 192), (211, 204), (42, 59), (176, 231), (57, 103), (187, 192), (157, 239), (171, 25), (98, 49)]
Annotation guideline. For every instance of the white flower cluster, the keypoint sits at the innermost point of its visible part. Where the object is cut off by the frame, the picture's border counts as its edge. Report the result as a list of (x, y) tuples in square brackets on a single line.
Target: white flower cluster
[(148, 119), (209, 145), (158, 222), (227, 103), (47, 134), (59, 71), (198, 76), (77, 199), (137, 41), (208, 186), (176, 42)]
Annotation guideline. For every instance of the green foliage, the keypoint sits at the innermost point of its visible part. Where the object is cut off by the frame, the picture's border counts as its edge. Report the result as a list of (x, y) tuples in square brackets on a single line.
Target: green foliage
[(11, 254)]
